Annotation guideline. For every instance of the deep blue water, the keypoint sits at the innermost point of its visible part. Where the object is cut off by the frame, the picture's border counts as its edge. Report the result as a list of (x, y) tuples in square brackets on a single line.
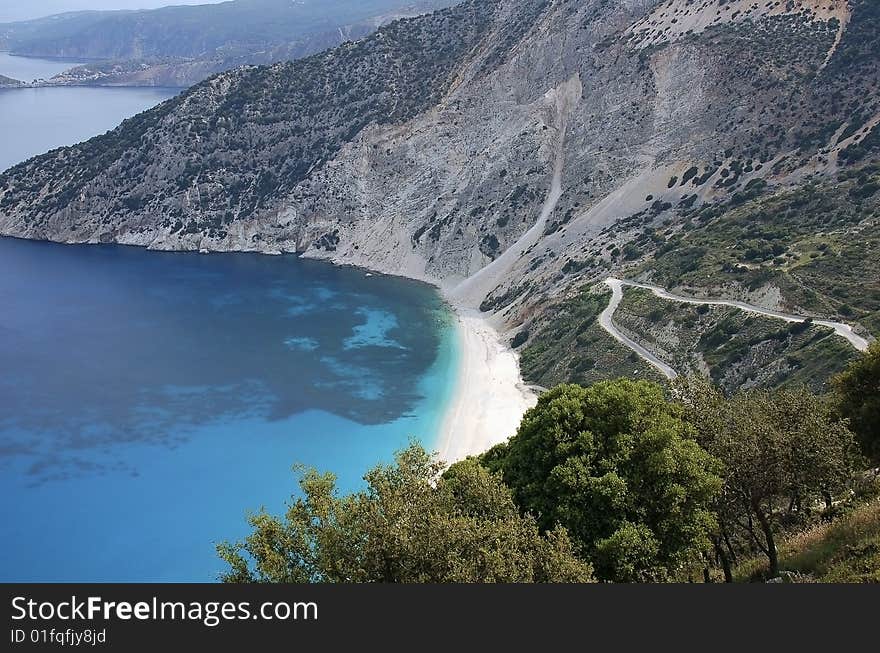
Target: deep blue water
[(148, 400)]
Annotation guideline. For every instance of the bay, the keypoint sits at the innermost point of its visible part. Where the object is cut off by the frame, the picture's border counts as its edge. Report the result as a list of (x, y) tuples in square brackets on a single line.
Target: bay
[(36, 120), (29, 69), (149, 400)]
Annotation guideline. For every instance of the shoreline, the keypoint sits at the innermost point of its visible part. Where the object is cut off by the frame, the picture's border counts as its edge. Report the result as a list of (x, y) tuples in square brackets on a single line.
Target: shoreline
[(31, 85), (490, 396)]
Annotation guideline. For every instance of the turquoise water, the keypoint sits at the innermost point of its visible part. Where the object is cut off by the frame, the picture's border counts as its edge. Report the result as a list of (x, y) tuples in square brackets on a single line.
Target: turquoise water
[(148, 400)]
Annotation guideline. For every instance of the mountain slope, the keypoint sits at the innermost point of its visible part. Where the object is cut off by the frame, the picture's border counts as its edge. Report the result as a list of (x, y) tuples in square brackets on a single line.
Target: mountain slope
[(182, 45), (230, 147), (529, 147), (231, 28)]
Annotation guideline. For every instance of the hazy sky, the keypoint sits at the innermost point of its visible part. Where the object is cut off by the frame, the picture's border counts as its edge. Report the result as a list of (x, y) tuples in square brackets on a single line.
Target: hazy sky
[(11, 10)]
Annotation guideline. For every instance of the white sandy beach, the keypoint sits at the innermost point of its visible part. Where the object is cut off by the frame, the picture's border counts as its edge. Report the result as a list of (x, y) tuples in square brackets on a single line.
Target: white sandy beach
[(490, 397)]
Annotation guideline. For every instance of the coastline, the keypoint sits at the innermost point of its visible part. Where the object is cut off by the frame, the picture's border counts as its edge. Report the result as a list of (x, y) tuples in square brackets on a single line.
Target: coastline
[(490, 396)]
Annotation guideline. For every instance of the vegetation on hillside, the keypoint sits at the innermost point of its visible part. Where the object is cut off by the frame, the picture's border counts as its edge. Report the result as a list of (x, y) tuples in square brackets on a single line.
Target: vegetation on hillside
[(846, 550), (818, 243), (410, 525), (857, 399), (567, 345), (240, 141), (795, 100), (783, 453), (625, 479), (734, 348)]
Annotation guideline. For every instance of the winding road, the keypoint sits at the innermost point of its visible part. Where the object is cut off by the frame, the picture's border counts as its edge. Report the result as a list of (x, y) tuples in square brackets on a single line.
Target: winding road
[(606, 319)]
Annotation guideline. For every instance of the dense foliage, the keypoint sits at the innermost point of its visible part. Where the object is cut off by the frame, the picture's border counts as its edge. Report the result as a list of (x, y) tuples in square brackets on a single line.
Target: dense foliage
[(857, 391), (618, 467), (411, 525)]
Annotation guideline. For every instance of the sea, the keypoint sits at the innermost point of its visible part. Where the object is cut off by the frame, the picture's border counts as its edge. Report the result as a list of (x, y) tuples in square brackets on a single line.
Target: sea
[(149, 402), (36, 120)]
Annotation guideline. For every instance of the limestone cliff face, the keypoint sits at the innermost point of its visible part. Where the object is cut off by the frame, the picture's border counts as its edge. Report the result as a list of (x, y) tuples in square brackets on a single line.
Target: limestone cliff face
[(531, 140)]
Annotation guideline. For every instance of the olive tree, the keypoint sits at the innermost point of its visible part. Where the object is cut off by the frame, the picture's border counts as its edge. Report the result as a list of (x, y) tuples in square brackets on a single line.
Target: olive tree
[(411, 524), (783, 452)]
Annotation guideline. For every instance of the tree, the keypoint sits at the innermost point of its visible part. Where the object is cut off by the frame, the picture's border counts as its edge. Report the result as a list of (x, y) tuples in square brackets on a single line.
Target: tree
[(857, 393), (616, 466), (783, 451), (410, 525)]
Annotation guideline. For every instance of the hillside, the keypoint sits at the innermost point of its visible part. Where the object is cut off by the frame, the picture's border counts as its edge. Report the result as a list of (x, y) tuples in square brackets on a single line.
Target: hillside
[(183, 31), (846, 550), (517, 152), (182, 45)]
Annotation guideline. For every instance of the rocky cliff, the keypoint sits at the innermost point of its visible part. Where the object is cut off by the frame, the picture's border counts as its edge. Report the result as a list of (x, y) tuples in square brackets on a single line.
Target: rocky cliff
[(514, 151)]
